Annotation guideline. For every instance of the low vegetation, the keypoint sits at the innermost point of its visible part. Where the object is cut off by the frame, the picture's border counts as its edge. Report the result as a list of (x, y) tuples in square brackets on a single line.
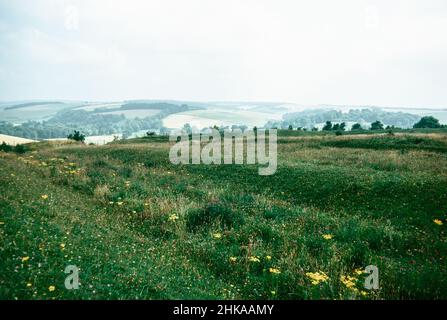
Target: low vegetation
[(139, 227)]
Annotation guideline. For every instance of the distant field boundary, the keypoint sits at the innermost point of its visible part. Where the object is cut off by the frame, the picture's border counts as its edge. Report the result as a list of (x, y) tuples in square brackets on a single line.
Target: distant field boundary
[(32, 104)]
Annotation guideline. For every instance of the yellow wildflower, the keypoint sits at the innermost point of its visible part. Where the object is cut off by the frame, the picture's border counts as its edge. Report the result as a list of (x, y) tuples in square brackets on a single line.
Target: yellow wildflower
[(348, 281), (44, 196), (120, 203), (29, 284), (273, 293), (438, 222), (233, 259), (254, 259), (62, 246), (24, 259), (268, 258), (1, 222), (359, 271), (317, 277), (217, 235), (172, 217), (51, 288), (327, 236), (274, 270)]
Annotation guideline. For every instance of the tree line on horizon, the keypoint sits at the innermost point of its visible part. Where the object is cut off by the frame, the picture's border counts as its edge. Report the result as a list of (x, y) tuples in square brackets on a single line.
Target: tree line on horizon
[(425, 122)]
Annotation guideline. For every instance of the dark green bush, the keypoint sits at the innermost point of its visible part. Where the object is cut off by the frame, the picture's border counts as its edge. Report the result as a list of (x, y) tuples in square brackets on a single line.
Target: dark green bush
[(20, 148), (125, 172), (76, 136), (5, 147), (100, 163)]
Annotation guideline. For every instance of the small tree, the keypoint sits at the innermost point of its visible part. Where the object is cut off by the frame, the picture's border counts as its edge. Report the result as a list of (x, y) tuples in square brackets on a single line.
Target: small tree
[(20, 148), (343, 126), (290, 127), (5, 147), (336, 127), (427, 122), (76, 136), (356, 126), (327, 126), (377, 125)]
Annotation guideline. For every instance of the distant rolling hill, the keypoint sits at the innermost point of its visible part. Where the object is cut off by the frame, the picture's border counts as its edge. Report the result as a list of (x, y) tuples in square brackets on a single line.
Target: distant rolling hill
[(57, 118)]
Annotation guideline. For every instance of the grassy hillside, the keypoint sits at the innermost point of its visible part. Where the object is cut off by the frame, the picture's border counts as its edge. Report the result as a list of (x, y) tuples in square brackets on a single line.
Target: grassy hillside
[(140, 227)]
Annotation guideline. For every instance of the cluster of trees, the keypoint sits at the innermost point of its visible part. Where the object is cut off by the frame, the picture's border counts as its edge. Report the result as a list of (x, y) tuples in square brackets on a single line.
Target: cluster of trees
[(76, 136), (189, 129), (335, 127), (329, 126), (309, 118), (424, 122), (301, 128), (428, 122), (376, 125), (20, 148)]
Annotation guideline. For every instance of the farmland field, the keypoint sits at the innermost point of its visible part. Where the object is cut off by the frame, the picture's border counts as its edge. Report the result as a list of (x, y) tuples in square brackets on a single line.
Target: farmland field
[(11, 140), (132, 114), (22, 112), (139, 227), (220, 117)]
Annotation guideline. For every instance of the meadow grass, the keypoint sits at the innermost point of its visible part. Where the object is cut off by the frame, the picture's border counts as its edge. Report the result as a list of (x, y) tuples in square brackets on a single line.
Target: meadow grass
[(139, 227)]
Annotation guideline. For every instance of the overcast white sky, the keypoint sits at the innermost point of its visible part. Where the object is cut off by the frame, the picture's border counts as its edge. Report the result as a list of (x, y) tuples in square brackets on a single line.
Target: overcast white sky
[(389, 53)]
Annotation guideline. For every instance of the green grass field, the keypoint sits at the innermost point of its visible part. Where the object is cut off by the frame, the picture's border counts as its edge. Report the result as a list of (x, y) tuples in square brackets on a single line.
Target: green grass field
[(139, 227)]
